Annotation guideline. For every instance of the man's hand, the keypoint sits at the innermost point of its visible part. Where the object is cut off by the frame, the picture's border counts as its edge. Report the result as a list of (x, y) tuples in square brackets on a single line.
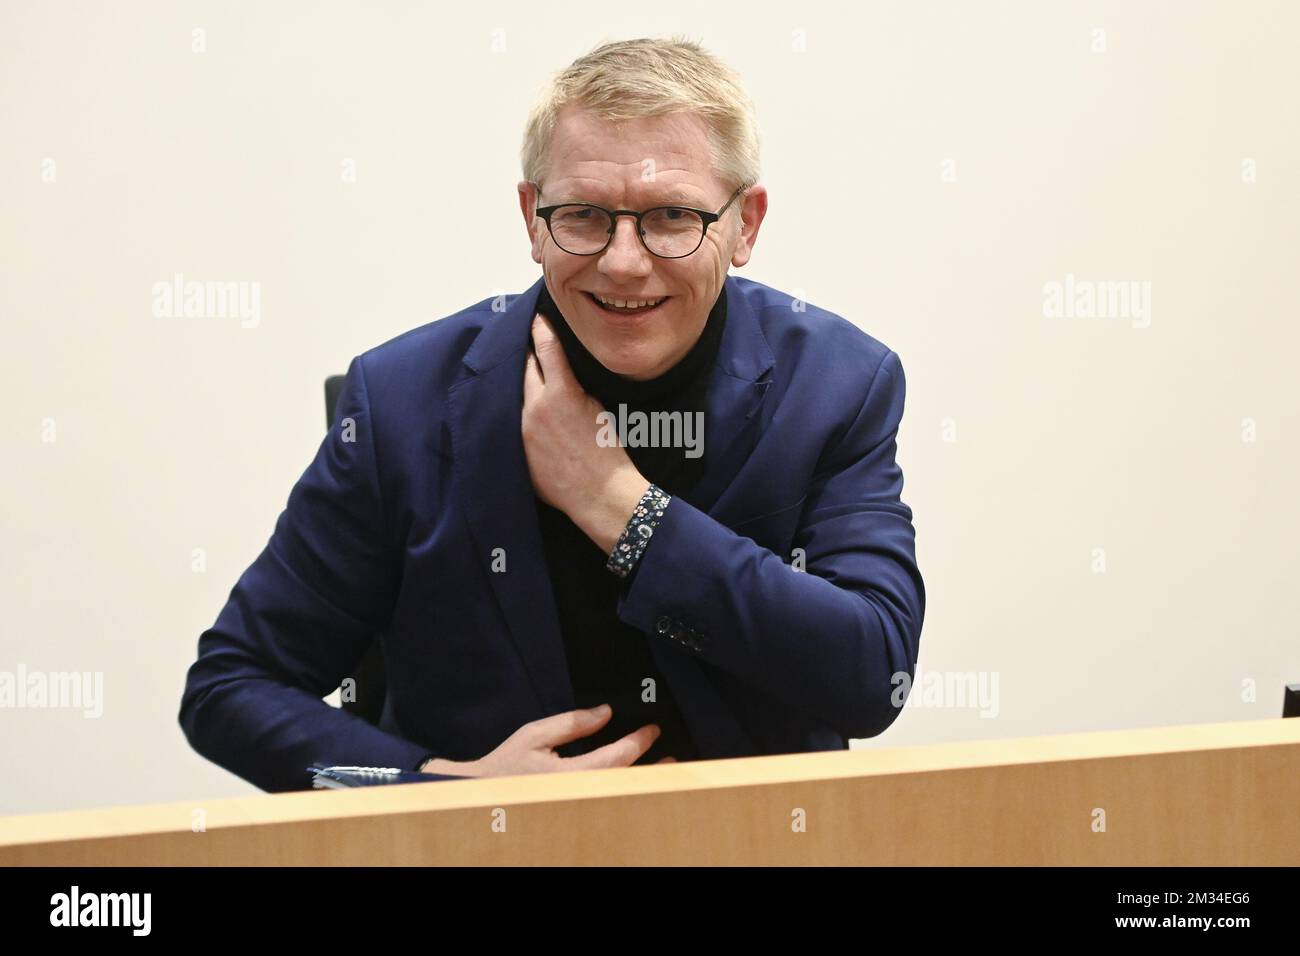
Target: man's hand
[(531, 748), (597, 487)]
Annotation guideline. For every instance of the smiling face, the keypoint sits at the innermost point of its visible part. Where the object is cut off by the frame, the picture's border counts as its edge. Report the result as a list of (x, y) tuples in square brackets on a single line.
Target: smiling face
[(601, 161)]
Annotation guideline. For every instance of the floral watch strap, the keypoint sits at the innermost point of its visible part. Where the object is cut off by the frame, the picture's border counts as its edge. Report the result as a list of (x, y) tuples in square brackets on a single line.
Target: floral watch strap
[(632, 542)]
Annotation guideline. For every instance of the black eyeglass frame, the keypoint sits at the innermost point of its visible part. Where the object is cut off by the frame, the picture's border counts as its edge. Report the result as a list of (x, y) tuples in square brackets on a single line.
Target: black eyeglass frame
[(708, 218)]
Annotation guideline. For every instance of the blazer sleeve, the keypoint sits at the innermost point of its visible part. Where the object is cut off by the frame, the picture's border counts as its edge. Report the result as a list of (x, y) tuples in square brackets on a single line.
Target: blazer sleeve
[(299, 620), (828, 640)]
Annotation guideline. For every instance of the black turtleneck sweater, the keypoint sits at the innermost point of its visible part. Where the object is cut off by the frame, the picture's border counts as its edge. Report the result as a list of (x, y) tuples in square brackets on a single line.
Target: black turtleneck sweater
[(609, 661)]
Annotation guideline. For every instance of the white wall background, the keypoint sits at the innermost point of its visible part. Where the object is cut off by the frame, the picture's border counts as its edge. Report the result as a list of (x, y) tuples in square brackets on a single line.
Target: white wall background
[(930, 167)]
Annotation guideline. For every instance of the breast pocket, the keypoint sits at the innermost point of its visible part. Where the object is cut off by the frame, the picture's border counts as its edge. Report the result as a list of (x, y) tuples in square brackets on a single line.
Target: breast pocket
[(773, 530)]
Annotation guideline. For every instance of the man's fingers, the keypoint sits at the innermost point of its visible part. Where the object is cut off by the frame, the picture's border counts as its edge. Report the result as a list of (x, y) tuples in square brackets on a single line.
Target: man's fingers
[(621, 753), (569, 726), (669, 759), (550, 353), (533, 380)]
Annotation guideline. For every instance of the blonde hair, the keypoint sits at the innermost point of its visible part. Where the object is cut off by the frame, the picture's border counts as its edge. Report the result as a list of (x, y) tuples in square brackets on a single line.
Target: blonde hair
[(630, 79)]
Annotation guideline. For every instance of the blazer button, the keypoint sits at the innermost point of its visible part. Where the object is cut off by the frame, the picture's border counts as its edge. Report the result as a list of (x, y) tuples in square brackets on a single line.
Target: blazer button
[(663, 625)]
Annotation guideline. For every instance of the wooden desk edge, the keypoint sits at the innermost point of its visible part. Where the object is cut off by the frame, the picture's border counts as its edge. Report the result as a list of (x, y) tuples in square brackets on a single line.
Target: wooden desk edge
[(592, 784)]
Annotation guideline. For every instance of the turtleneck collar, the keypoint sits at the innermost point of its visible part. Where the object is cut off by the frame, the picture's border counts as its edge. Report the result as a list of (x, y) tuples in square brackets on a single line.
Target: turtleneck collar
[(610, 388)]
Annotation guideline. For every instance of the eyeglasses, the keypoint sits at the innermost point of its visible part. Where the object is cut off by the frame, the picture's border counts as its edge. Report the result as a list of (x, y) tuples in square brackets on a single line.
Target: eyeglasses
[(669, 232)]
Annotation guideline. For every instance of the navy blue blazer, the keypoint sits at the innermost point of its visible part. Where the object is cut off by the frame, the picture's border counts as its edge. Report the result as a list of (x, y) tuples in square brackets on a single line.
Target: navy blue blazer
[(780, 597)]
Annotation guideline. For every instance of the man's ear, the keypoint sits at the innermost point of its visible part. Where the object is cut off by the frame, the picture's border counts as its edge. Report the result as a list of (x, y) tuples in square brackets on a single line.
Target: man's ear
[(535, 227), (752, 210)]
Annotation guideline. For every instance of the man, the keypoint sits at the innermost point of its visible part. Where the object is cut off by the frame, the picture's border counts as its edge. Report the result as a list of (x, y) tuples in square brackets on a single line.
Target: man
[(481, 503)]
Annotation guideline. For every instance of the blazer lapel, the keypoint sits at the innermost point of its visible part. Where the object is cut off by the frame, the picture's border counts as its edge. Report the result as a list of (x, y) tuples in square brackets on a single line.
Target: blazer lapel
[(735, 396), (497, 493), (490, 464)]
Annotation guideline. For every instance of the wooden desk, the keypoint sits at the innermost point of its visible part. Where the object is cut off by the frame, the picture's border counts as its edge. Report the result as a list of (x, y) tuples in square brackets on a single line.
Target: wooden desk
[(1211, 794)]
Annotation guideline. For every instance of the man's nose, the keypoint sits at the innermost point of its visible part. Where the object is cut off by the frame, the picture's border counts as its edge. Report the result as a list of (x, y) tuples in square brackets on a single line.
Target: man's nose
[(625, 254)]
